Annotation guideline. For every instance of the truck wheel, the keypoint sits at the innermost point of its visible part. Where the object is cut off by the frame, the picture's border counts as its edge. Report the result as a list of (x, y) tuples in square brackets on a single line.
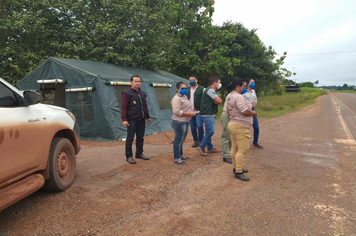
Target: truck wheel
[(62, 165)]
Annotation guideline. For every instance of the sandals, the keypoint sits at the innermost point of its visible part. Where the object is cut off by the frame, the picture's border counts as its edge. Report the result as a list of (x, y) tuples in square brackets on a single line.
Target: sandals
[(180, 163)]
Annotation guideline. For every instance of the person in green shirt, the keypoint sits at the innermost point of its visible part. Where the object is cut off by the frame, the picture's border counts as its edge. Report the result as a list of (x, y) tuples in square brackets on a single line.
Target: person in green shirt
[(208, 110)]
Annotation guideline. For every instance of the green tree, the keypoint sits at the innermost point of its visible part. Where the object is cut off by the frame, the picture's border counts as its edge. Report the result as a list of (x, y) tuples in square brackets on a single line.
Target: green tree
[(345, 87), (131, 32), (29, 33), (191, 32)]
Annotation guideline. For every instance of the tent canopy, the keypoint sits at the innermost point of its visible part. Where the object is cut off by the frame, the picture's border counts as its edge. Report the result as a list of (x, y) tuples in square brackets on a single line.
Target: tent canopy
[(92, 92)]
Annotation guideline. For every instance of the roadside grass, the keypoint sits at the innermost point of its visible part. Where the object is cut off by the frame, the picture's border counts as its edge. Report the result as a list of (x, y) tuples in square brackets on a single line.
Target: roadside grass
[(274, 106), (345, 91)]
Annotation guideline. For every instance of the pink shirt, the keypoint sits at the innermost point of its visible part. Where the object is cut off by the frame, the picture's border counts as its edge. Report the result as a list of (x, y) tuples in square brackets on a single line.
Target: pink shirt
[(180, 104), (236, 104), (192, 91)]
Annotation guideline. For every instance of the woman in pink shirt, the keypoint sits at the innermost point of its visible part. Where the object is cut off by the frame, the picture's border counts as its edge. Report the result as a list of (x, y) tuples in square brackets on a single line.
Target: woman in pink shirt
[(240, 113), (182, 114)]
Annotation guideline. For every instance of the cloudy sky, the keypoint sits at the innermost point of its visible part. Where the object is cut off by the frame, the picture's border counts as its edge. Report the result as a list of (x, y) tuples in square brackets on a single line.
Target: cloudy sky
[(319, 36)]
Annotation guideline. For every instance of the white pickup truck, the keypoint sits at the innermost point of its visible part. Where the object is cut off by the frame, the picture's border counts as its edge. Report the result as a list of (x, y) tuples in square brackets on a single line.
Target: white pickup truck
[(38, 145)]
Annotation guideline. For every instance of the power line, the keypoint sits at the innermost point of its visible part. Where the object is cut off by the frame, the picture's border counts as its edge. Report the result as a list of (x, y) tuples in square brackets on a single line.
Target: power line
[(321, 53)]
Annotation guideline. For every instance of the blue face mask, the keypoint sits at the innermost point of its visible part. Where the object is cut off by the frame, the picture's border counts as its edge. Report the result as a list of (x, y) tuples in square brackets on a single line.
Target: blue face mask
[(252, 85), (244, 90), (183, 91), (192, 83)]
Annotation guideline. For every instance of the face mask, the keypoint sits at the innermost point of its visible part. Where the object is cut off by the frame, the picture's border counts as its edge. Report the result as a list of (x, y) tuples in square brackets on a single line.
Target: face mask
[(244, 90), (192, 83), (183, 91), (252, 85), (219, 86)]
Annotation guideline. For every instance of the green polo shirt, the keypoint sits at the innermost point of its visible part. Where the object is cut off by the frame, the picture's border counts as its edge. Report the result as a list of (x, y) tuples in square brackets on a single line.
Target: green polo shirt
[(207, 106)]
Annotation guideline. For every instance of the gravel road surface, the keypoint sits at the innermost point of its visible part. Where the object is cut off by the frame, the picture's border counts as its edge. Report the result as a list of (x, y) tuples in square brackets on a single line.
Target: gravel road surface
[(302, 183)]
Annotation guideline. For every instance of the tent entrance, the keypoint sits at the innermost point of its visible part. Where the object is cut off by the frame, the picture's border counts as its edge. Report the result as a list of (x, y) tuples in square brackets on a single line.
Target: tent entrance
[(53, 92)]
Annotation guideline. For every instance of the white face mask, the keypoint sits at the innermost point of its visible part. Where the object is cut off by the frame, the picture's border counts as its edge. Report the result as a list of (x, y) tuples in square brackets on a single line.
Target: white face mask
[(219, 86)]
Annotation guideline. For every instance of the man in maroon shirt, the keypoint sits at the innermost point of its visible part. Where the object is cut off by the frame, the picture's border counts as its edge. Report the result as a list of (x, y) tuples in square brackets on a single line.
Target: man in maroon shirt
[(134, 112)]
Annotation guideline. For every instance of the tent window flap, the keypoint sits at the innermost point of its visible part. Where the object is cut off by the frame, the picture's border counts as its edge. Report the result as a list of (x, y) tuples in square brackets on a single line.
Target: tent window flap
[(119, 89), (119, 83), (163, 98), (79, 89), (161, 85), (82, 105), (50, 81), (53, 94)]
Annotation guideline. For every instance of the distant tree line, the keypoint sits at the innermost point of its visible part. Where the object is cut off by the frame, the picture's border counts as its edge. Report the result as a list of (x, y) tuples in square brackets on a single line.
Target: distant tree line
[(312, 85), (343, 87), (173, 35)]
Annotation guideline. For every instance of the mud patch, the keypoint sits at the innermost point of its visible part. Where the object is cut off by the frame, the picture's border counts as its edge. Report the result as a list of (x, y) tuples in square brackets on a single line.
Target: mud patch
[(2, 135), (17, 134)]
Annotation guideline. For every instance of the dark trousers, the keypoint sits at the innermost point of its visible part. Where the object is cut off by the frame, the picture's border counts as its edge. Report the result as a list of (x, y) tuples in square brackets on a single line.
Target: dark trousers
[(135, 127), (256, 130)]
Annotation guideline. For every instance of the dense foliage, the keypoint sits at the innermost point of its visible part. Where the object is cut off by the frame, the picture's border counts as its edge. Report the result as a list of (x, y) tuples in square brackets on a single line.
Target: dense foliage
[(172, 35)]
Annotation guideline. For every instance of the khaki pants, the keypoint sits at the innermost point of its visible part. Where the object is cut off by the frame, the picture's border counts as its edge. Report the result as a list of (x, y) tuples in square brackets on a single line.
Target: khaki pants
[(240, 140), (225, 136)]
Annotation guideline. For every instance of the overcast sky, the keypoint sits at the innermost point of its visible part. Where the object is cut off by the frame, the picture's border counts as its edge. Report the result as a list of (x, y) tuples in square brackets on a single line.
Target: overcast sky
[(325, 30)]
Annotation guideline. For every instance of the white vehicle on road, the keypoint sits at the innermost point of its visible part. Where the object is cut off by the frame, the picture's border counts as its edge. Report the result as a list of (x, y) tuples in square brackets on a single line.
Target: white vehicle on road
[(38, 145)]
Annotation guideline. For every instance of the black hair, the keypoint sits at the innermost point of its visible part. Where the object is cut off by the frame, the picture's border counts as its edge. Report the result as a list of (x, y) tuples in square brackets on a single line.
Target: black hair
[(131, 79), (229, 86), (179, 84), (213, 80), (237, 82), (248, 80), (193, 76)]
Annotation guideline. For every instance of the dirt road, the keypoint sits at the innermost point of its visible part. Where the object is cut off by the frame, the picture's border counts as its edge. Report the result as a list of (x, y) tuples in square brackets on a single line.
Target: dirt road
[(302, 183)]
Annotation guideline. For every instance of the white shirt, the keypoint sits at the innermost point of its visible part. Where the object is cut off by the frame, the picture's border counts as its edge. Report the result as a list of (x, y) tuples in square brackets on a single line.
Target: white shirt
[(251, 96), (192, 91)]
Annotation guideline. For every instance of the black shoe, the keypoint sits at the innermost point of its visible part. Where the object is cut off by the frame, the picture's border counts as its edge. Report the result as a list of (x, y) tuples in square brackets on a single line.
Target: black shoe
[(243, 170), (241, 176), (143, 157), (257, 145), (131, 160), (196, 144), (228, 160)]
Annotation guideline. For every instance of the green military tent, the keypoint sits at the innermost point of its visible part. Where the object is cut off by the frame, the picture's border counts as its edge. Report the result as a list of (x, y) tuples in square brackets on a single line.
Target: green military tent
[(92, 92)]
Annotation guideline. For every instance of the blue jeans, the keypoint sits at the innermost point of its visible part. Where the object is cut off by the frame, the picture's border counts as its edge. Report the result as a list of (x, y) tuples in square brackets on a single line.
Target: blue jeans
[(180, 133), (209, 123), (256, 130), (197, 123)]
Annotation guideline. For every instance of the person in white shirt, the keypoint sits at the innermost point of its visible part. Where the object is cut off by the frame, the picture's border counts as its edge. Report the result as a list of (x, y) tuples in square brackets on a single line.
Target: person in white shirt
[(194, 95), (251, 96)]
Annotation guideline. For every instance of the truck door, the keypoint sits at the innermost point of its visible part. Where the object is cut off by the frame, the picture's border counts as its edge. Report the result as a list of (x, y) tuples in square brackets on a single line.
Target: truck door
[(21, 137)]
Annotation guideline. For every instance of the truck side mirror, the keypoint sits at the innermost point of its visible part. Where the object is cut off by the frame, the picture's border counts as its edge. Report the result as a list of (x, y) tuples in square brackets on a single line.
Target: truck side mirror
[(31, 97)]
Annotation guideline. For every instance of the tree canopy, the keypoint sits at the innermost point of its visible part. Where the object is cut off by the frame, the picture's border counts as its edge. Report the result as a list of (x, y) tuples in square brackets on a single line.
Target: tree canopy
[(173, 35)]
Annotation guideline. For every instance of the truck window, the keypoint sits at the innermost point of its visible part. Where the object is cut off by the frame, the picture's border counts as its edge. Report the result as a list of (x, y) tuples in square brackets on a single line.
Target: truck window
[(7, 97)]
